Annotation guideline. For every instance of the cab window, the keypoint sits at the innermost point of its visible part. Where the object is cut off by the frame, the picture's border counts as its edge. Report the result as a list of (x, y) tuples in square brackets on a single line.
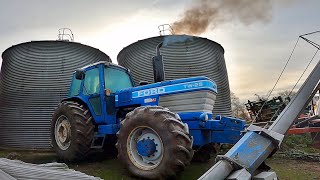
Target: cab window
[(91, 82), (75, 87), (116, 79)]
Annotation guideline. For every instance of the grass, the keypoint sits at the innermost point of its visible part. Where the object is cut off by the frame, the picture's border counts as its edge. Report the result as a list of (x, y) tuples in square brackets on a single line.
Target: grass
[(285, 168), (111, 168), (106, 167), (294, 169), (3, 154), (36, 157), (301, 142), (100, 165)]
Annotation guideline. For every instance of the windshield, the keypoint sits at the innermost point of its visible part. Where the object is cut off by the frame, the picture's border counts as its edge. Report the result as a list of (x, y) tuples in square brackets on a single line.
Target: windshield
[(116, 79)]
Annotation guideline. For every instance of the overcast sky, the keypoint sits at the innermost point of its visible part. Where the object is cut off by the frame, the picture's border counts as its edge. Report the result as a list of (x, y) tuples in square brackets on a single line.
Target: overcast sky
[(255, 54)]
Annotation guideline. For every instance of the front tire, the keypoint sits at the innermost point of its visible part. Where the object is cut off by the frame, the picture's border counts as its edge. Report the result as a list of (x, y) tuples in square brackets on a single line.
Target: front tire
[(153, 143), (72, 131)]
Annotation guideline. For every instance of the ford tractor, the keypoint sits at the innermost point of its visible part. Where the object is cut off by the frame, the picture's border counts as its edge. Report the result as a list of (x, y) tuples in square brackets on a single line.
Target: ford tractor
[(156, 128)]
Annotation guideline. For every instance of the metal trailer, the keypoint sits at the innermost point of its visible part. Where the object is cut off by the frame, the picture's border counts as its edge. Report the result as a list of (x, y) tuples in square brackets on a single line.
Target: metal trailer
[(263, 113), (266, 110)]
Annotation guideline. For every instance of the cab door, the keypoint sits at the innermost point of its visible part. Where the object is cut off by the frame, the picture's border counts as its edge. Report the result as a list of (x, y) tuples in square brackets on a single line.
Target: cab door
[(115, 79), (91, 91)]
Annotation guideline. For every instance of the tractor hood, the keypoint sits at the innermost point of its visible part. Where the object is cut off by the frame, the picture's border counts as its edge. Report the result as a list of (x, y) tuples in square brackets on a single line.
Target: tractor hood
[(149, 94)]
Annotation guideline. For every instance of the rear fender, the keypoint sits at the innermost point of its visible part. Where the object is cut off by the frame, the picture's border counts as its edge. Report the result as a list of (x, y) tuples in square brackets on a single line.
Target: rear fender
[(75, 99), (83, 102)]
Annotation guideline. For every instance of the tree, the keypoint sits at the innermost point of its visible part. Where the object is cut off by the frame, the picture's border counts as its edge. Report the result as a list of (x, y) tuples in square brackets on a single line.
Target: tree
[(286, 93), (238, 108)]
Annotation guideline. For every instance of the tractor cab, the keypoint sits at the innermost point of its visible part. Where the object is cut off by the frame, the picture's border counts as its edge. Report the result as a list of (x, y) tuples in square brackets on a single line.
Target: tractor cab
[(96, 85)]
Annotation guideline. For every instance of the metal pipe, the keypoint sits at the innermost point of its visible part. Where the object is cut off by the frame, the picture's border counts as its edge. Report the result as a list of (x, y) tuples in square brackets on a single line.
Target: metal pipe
[(158, 66), (220, 170), (158, 48)]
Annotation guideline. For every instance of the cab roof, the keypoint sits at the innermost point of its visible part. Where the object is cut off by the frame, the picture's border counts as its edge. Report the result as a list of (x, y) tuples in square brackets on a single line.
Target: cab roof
[(106, 64)]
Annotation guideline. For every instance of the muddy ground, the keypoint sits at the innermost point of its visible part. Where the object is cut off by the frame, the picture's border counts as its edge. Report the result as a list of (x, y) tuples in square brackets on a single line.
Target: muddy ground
[(108, 167)]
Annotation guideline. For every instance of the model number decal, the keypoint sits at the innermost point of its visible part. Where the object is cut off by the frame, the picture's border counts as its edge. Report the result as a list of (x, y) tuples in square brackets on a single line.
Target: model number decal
[(193, 85)]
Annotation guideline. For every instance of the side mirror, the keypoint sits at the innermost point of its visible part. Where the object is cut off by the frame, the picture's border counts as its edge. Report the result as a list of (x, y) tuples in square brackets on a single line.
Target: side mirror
[(142, 83), (79, 74)]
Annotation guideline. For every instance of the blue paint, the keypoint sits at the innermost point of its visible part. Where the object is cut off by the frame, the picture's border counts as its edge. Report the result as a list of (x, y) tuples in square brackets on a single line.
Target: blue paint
[(226, 130), (146, 147), (172, 82), (108, 129), (204, 117), (250, 151), (138, 95), (203, 130), (175, 88), (191, 116)]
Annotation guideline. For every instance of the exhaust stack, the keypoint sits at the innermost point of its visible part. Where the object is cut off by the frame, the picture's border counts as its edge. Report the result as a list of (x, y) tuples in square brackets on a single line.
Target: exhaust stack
[(158, 67)]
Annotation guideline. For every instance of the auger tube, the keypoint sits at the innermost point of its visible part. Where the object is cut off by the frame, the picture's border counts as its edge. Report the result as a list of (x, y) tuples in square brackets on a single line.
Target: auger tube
[(259, 143)]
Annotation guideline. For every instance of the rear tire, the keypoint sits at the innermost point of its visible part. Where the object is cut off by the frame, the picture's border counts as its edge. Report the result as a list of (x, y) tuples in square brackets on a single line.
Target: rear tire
[(72, 131), (172, 142)]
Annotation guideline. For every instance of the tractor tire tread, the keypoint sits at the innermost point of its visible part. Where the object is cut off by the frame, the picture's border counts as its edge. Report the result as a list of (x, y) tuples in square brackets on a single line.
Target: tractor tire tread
[(177, 142), (82, 131)]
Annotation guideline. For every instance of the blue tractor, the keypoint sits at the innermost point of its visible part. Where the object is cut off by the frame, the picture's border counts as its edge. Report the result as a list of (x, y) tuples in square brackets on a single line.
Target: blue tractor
[(155, 127)]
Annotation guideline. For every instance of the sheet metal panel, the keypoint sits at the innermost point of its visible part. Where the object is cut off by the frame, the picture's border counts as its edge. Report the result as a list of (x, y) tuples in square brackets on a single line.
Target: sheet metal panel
[(196, 101)]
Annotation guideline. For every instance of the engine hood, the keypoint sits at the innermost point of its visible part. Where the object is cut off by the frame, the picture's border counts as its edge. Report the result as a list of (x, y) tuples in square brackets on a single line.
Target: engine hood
[(137, 95)]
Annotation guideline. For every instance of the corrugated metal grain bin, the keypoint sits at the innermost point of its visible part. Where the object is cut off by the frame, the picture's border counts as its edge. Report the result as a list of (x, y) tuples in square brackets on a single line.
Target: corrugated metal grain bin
[(35, 76), (192, 56)]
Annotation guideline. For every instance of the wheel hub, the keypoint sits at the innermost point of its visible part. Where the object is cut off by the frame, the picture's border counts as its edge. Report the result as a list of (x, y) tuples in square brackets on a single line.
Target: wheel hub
[(63, 132), (146, 147)]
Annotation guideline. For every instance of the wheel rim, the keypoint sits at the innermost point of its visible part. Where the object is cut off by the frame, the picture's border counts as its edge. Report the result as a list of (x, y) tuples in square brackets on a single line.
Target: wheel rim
[(145, 136), (62, 132)]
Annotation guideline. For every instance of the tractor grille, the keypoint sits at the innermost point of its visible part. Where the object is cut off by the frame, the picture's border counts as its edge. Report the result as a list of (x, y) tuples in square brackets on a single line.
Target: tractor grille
[(196, 101)]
